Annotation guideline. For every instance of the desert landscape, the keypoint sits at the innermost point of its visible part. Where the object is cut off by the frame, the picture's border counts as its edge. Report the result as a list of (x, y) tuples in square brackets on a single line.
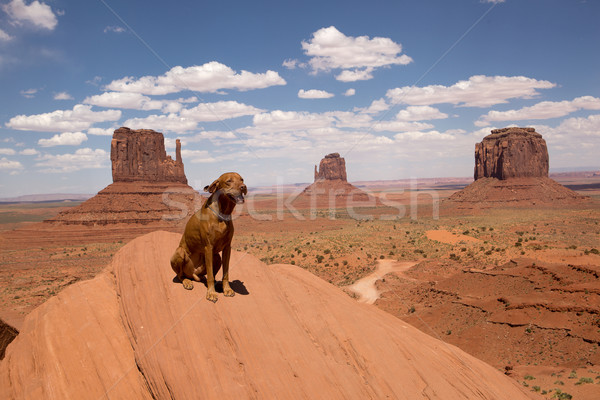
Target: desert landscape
[(511, 279)]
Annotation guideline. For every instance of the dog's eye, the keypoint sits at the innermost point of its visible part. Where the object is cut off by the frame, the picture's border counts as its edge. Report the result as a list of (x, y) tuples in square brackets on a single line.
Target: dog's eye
[(229, 181)]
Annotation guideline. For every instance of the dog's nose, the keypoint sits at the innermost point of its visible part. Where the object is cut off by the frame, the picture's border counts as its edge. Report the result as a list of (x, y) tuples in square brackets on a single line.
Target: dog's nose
[(244, 188)]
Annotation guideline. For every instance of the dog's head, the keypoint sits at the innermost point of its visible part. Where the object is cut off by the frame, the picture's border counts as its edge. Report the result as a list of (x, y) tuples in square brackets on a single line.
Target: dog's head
[(230, 184)]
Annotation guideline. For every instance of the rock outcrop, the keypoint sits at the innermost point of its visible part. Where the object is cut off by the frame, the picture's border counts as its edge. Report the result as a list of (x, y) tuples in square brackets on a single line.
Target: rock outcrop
[(331, 188), (132, 332), (511, 153), (511, 169), (332, 167), (139, 155), (149, 187)]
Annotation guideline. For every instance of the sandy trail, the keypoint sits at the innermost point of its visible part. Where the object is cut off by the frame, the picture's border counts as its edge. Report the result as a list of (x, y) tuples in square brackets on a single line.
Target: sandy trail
[(365, 287)]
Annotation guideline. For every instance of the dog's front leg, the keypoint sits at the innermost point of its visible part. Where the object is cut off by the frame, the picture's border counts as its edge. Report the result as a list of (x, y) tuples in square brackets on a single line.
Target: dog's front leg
[(227, 291), (211, 293)]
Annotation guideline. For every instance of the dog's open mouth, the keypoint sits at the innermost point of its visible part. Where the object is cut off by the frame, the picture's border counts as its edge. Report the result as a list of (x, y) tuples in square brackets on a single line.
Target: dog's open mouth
[(237, 198)]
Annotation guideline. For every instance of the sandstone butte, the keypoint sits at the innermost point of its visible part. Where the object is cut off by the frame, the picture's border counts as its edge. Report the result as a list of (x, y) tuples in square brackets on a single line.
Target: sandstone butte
[(331, 184), (134, 333), (511, 168), (149, 187)]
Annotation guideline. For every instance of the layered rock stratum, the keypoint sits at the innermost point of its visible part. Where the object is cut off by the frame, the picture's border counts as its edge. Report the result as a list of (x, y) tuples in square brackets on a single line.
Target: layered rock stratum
[(149, 187), (511, 168), (332, 167), (133, 332), (511, 153)]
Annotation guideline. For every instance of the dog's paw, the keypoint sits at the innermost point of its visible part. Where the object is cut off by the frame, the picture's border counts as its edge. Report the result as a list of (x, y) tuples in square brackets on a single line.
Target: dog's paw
[(228, 292), (187, 284), (212, 296)]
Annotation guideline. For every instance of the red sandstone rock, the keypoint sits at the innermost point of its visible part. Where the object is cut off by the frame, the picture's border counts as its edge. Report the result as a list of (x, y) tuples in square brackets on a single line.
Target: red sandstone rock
[(133, 333), (148, 188), (139, 155), (511, 153), (331, 167)]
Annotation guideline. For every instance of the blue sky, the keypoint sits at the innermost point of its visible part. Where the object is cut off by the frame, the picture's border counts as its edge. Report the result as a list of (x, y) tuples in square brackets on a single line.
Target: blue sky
[(399, 88)]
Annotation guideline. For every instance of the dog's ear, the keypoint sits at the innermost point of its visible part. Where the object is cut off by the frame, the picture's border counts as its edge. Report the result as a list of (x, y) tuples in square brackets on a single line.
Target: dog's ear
[(213, 187)]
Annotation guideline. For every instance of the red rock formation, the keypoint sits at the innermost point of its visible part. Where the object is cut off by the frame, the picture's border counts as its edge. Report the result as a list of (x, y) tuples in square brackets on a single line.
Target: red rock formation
[(511, 169), (511, 153), (332, 167), (139, 155), (133, 333), (148, 186)]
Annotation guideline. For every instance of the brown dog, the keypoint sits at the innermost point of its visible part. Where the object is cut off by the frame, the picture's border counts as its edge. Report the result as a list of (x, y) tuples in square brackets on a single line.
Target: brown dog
[(208, 232)]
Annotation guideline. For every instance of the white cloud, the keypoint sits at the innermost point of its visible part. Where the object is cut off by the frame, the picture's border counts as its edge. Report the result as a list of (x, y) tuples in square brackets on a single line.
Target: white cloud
[(95, 81), (400, 126), (420, 113), (114, 29), (29, 93), (163, 123), (64, 139), (356, 56), (355, 75), (478, 91), (376, 107), (4, 37), (101, 131), (5, 163), (425, 136), (7, 152), (63, 96), (280, 121), (29, 152), (36, 13), (314, 94), (542, 110), (197, 156), (493, 1), (210, 77), (133, 101), (348, 119), (81, 117), (82, 159), (350, 92), (218, 111), (290, 63)]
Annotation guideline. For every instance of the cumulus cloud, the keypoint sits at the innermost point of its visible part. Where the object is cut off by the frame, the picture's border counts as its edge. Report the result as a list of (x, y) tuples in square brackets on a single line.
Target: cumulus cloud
[(82, 159), (420, 113), (163, 123), (81, 117), (197, 156), (220, 110), (376, 107), (210, 77), (63, 96), (314, 94), (36, 13), (135, 101), (477, 91), (400, 126), (350, 92), (64, 139), (101, 131), (5, 163), (4, 37), (280, 121), (542, 110), (357, 56), (29, 152), (425, 136), (7, 152)]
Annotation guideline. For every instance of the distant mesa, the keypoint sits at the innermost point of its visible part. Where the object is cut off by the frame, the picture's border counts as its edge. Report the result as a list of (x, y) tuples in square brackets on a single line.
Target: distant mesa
[(332, 167), (511, 168), (331, 184), (140, 156), (148, 185), (511, 153)]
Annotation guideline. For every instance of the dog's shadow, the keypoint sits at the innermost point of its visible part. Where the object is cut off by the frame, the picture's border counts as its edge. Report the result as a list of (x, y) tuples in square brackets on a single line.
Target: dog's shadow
[(237, 286)]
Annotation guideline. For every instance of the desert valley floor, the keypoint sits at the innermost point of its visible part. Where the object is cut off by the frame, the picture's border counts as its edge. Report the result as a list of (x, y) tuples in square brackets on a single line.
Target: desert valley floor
[(517, 287)]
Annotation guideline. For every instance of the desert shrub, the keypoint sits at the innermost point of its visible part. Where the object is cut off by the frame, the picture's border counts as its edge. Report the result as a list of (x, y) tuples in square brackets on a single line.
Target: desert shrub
[(326, 251), (529, 377), (572, 247), (345, 262), (463, 249), (411, 309), (381, 257), (465, 232), (319, 258), (520, 233), (293, 262), (584, 380), (454, 257), (518, 244)]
